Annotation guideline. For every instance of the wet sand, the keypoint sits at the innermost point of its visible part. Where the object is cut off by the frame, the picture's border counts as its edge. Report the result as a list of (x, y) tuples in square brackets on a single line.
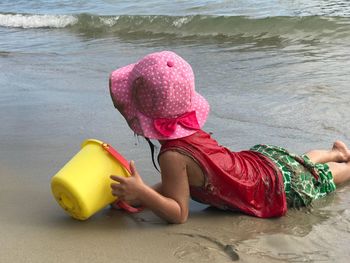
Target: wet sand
[(35, 229), (54, 105)]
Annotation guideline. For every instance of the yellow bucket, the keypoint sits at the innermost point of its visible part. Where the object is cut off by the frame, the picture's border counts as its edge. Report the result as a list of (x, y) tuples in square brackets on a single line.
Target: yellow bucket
[(82, 186)]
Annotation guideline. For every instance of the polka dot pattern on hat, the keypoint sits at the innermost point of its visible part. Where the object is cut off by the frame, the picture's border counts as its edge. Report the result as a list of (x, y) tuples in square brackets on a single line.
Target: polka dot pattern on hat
[(161, 91), (161, 85)]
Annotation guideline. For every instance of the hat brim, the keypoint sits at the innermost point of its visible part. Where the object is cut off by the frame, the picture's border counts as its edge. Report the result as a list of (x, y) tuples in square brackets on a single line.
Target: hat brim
[(121, 92), (120, 88)]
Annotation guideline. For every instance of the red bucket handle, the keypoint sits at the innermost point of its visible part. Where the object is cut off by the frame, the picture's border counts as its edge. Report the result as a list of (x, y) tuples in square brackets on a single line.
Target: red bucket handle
[(122, 204)]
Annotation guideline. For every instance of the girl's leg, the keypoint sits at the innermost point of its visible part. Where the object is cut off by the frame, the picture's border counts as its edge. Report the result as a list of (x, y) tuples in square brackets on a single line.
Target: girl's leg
[(339, 153), (340, 172)]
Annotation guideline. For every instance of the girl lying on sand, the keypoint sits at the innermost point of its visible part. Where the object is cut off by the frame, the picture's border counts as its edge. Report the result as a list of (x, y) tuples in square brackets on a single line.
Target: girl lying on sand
[(157, 98)]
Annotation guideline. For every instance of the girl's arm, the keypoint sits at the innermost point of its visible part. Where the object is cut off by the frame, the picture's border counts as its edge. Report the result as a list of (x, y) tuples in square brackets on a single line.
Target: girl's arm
[(172, 203)]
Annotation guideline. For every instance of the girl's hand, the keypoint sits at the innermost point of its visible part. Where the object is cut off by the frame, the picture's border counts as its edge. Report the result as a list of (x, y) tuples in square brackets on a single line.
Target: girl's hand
[(128, 188)]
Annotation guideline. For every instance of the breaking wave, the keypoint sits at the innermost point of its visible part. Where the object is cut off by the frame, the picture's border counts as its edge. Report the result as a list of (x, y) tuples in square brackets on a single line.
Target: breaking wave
[(184, 26)]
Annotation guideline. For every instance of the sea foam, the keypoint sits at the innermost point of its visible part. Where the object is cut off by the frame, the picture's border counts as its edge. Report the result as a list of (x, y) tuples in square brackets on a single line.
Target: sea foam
[(37, 21)]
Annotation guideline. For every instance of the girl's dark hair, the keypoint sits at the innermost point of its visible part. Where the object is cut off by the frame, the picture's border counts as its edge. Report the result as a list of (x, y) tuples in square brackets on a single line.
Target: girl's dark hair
[(153, 147)]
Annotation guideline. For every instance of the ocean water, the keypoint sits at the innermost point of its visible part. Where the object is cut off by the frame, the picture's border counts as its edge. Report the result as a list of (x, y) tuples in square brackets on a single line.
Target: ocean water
[(274, 72)]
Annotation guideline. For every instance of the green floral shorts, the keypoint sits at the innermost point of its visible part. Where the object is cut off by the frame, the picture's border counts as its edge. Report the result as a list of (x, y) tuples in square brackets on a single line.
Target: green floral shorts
[(303, 180)]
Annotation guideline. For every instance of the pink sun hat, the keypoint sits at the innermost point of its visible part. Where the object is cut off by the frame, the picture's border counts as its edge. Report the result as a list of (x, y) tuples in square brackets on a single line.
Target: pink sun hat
[(157, 97)]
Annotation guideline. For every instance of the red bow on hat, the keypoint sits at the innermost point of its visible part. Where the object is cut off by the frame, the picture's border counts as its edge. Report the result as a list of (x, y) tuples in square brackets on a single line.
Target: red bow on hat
[(167, 127)]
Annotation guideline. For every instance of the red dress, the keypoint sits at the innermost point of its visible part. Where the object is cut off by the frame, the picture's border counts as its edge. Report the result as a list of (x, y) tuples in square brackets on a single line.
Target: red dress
[(246, 181)]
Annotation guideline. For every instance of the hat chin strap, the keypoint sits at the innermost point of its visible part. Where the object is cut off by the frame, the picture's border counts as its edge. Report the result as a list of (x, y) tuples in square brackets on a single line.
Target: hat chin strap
[(167, 127)]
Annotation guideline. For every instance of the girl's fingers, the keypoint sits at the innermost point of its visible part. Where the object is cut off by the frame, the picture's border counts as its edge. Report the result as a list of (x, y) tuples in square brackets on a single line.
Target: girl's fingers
[(117, 193), (120, 197), (132, 168), (116, 178), (115, 186)]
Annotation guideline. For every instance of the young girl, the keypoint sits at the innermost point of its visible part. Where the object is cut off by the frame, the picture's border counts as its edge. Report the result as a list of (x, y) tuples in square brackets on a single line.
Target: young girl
[(157, 98)]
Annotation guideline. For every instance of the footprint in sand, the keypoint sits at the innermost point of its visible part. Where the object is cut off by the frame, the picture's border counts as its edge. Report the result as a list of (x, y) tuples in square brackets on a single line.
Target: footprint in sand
[(205, 249)]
